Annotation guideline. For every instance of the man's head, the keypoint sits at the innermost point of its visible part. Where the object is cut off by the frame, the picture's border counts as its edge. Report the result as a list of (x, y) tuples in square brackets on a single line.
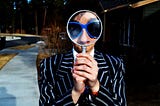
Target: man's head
[(84, 29)]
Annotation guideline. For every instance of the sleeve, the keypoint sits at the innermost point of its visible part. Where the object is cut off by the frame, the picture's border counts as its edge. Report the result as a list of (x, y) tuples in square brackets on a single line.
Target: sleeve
[(47, 88), (115, 96)]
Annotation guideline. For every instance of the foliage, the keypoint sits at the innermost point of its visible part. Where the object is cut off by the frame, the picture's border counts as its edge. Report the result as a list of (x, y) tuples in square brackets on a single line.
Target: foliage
[(38, 15)]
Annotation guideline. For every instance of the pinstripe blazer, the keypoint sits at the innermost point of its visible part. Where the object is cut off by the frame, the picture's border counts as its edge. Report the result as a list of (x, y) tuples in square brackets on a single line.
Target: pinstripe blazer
[(56, 81)]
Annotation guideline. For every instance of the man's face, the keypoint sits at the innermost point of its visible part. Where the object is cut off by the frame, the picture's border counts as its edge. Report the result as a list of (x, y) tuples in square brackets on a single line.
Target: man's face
[(84, 38), (84, 30)]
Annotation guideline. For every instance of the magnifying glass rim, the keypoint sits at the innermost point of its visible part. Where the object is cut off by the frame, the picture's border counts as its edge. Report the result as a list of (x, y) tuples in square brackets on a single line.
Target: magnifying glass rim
[(72, 17)]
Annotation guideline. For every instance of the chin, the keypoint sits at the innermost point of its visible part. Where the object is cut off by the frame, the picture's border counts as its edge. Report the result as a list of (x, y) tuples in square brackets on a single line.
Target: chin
[(78, 48)]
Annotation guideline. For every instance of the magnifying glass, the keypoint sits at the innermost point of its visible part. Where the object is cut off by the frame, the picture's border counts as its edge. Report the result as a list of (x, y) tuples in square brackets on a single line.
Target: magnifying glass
[(84, 28)]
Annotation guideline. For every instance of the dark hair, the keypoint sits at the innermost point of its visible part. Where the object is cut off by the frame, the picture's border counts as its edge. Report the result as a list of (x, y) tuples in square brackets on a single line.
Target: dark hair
[(75, 5)]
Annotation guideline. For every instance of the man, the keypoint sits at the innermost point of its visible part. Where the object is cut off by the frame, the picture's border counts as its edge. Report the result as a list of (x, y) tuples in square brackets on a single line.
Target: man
[(76, 78)]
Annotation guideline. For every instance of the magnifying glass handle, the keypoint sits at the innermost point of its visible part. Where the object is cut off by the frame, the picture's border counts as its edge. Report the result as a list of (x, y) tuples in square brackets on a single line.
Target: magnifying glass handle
[(83, 49)]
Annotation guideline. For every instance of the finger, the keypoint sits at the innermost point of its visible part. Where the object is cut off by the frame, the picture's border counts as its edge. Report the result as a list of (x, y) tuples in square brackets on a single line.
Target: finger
[(83, 68), (90, 71), (87, 56), (85, 61), (83, 74), (78, 78)]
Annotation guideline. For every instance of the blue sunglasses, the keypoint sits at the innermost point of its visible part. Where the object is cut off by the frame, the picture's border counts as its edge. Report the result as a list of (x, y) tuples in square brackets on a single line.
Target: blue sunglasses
[(93, 29)]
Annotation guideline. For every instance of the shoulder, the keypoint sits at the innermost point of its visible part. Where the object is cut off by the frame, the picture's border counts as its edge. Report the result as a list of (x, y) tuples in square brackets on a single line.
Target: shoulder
[(114, 60), (56, 58), (109, 56)]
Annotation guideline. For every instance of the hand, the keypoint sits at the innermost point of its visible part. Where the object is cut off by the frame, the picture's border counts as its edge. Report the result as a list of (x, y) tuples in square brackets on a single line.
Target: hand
[(86, 68), (79, 82), (79, 86)]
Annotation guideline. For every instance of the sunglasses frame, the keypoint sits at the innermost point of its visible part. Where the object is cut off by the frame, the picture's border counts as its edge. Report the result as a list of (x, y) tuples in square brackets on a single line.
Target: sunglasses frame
[(85, 26)]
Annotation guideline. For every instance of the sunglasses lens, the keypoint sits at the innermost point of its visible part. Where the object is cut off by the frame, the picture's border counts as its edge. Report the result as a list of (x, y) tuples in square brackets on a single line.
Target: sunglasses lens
[(74, 30), (94, 29)]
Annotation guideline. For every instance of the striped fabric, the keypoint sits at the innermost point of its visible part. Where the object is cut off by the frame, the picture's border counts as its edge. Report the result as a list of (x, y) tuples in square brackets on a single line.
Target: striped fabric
[(56, 82)]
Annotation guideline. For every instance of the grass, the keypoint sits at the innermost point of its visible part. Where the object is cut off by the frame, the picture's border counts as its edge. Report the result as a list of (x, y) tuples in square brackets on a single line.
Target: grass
[(5, 58)]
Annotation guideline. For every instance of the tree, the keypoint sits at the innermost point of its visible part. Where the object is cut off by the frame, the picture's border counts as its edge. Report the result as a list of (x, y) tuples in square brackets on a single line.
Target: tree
[(54, 24), (7, 14)]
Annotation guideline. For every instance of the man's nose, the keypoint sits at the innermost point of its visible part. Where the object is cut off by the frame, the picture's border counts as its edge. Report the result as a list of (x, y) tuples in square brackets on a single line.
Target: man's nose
[(84, 38)]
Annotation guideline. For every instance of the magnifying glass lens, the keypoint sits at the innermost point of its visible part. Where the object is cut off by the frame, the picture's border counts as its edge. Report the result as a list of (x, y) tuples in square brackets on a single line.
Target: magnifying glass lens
[(84, 28)]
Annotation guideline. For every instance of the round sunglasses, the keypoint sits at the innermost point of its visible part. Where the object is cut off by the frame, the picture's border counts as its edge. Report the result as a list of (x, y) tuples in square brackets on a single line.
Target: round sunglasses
[(93, 29)]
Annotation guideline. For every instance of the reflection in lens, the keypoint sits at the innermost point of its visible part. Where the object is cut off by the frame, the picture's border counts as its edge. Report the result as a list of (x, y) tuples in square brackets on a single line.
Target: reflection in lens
[(74, 30)]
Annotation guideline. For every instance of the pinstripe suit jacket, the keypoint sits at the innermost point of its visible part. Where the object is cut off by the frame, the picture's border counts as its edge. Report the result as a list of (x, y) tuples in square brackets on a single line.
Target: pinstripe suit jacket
[(56, 81)]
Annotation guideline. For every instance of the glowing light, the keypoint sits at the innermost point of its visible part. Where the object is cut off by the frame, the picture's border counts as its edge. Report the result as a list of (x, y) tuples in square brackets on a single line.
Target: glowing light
[(14, 5), (28, 1)]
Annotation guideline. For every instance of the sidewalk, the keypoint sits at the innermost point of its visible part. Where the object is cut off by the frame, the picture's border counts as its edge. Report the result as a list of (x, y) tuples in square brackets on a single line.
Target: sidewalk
[(18, 79)]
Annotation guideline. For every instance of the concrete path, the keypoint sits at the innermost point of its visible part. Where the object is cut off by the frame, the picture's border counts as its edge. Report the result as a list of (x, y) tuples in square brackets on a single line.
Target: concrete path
[(18, 79)]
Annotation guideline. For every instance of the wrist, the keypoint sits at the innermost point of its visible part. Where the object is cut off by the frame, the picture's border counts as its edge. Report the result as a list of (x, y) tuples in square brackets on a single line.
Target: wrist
[(76, 95), (95, 89)]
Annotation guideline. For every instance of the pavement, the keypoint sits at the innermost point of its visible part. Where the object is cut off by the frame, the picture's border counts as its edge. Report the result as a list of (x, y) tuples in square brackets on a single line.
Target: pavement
[(18, 79)]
